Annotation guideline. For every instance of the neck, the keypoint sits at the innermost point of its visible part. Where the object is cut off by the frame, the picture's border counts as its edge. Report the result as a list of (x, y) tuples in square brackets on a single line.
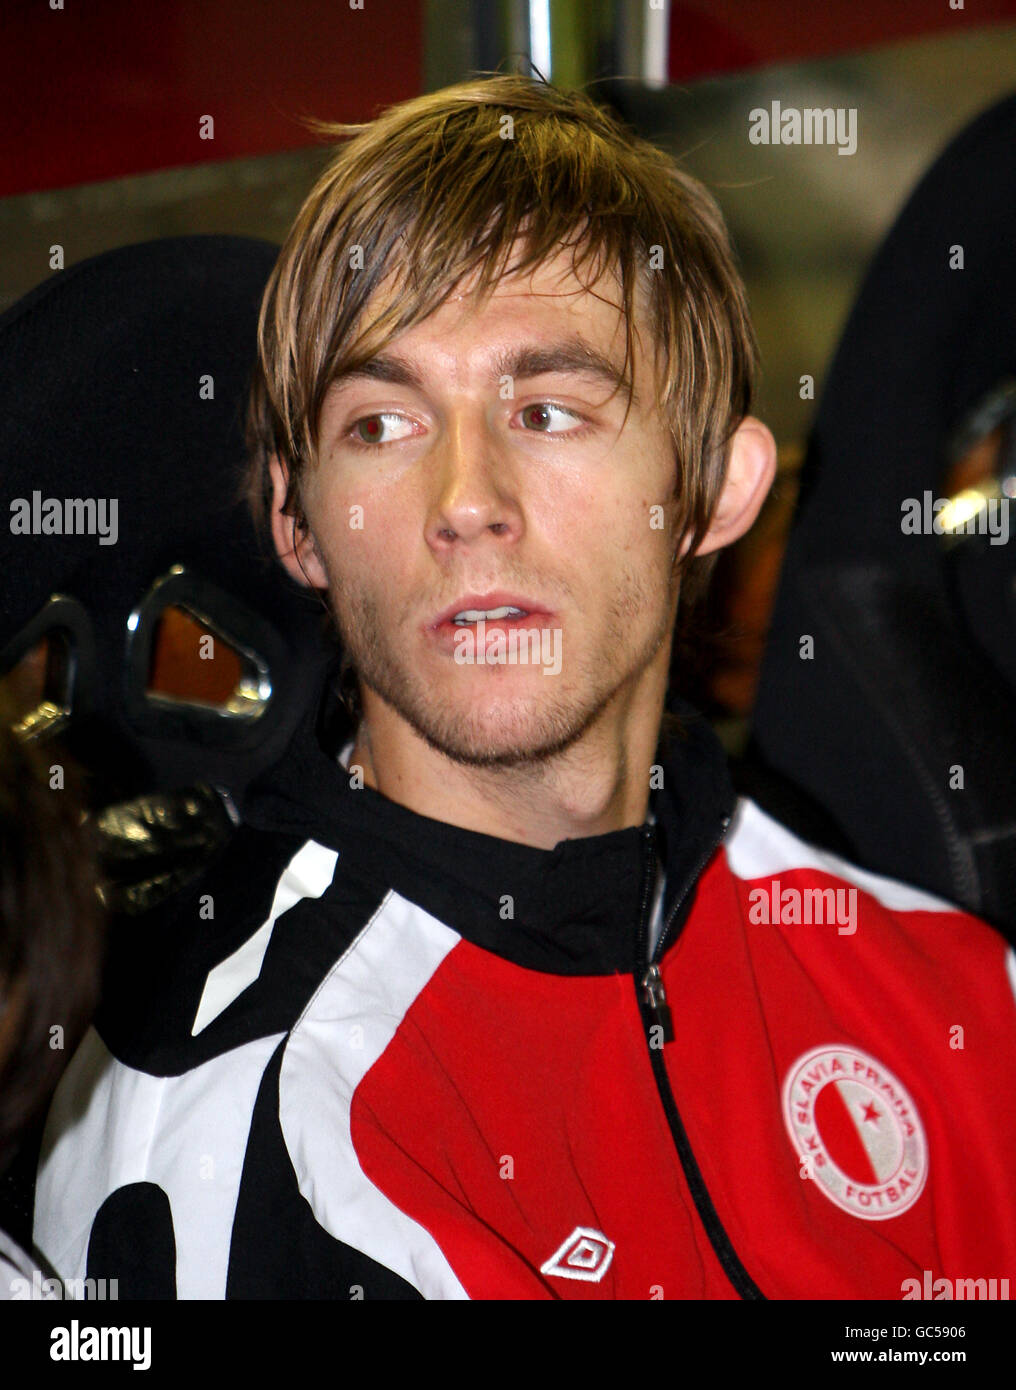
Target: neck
[(598, 784)]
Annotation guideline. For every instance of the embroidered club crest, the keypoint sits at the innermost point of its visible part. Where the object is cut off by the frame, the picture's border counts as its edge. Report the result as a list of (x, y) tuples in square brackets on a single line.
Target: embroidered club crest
[(857, 1132)]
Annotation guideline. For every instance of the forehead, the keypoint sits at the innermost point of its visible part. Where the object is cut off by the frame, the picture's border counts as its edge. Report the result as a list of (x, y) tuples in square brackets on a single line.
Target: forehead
[(578, 309)]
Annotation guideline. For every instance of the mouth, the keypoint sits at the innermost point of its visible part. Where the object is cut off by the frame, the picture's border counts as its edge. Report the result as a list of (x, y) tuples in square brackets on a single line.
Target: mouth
[(499, 612), (501, 608)]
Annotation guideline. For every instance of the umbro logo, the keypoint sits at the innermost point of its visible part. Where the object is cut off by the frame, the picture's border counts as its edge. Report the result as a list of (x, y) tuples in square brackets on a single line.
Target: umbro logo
[(586, 1254)]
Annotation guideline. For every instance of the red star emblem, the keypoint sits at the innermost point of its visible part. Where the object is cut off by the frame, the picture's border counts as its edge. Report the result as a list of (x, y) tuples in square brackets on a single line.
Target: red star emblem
[(870, 1113)]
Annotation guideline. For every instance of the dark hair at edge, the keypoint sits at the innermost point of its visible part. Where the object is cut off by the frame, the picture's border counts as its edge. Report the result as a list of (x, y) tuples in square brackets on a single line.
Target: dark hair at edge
[(51, 929)]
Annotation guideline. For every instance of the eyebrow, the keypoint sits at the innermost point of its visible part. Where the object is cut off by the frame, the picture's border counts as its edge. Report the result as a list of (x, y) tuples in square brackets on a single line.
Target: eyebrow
[(572, 356)]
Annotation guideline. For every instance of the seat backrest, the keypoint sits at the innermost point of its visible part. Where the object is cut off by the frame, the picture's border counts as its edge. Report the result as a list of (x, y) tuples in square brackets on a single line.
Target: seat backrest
[(122, 396), (896, 719)]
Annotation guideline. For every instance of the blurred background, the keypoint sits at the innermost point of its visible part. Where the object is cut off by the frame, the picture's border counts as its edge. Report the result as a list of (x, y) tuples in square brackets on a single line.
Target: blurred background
[(127, 122)]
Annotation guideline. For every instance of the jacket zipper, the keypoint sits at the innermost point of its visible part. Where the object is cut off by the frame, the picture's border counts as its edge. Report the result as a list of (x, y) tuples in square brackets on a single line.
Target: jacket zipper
[(656, 1013)]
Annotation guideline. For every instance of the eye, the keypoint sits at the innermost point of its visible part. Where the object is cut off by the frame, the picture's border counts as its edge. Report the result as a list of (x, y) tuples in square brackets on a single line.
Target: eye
[(368, 431), (537, 417)]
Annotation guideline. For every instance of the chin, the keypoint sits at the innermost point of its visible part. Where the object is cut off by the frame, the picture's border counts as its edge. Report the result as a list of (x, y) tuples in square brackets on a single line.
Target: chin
[(503, 732), (508, 729)]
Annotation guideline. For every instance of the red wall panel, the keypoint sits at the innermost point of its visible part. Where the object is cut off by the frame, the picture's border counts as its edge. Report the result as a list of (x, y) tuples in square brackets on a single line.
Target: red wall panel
[(714, 36), (98, 90)]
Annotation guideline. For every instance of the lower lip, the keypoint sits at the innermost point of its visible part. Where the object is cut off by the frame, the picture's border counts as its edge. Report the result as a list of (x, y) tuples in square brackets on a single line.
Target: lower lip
[(445, 636)]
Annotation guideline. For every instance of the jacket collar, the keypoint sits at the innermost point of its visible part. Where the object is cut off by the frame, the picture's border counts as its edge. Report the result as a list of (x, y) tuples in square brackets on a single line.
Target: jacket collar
[(572, 910)]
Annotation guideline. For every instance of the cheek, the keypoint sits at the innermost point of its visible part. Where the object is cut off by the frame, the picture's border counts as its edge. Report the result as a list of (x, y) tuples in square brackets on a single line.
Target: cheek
[(354, 528), (609, 535), (639, 532)]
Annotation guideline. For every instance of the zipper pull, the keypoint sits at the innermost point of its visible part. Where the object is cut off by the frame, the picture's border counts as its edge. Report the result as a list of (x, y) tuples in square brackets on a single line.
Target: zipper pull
[(656, 1002)]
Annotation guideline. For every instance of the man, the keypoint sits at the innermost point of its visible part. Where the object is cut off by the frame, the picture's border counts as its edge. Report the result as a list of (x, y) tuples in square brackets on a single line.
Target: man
[(512, 998)]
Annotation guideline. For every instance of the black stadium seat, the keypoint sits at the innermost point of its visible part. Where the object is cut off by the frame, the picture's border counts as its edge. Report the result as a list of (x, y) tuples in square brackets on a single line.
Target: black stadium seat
[(902, 727), (124, 379)]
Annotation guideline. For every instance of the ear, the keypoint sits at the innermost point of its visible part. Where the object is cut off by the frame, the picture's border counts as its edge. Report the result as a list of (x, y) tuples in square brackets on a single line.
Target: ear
[(751, 468), (294, 544)]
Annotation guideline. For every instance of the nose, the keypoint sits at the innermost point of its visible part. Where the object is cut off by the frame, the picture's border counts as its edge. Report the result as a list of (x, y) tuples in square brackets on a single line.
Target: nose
[(474, 490)]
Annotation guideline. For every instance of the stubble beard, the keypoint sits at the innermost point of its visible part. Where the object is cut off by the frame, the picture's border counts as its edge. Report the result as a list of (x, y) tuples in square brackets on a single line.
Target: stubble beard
[(505, 735)]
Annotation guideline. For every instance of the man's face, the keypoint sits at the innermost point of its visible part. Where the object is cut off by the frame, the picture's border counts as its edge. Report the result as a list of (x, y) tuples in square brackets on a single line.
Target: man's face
[(493, 482)]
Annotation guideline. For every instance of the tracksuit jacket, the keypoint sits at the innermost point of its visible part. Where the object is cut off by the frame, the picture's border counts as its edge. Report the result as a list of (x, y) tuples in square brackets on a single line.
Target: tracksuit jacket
[(373, 1055)]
